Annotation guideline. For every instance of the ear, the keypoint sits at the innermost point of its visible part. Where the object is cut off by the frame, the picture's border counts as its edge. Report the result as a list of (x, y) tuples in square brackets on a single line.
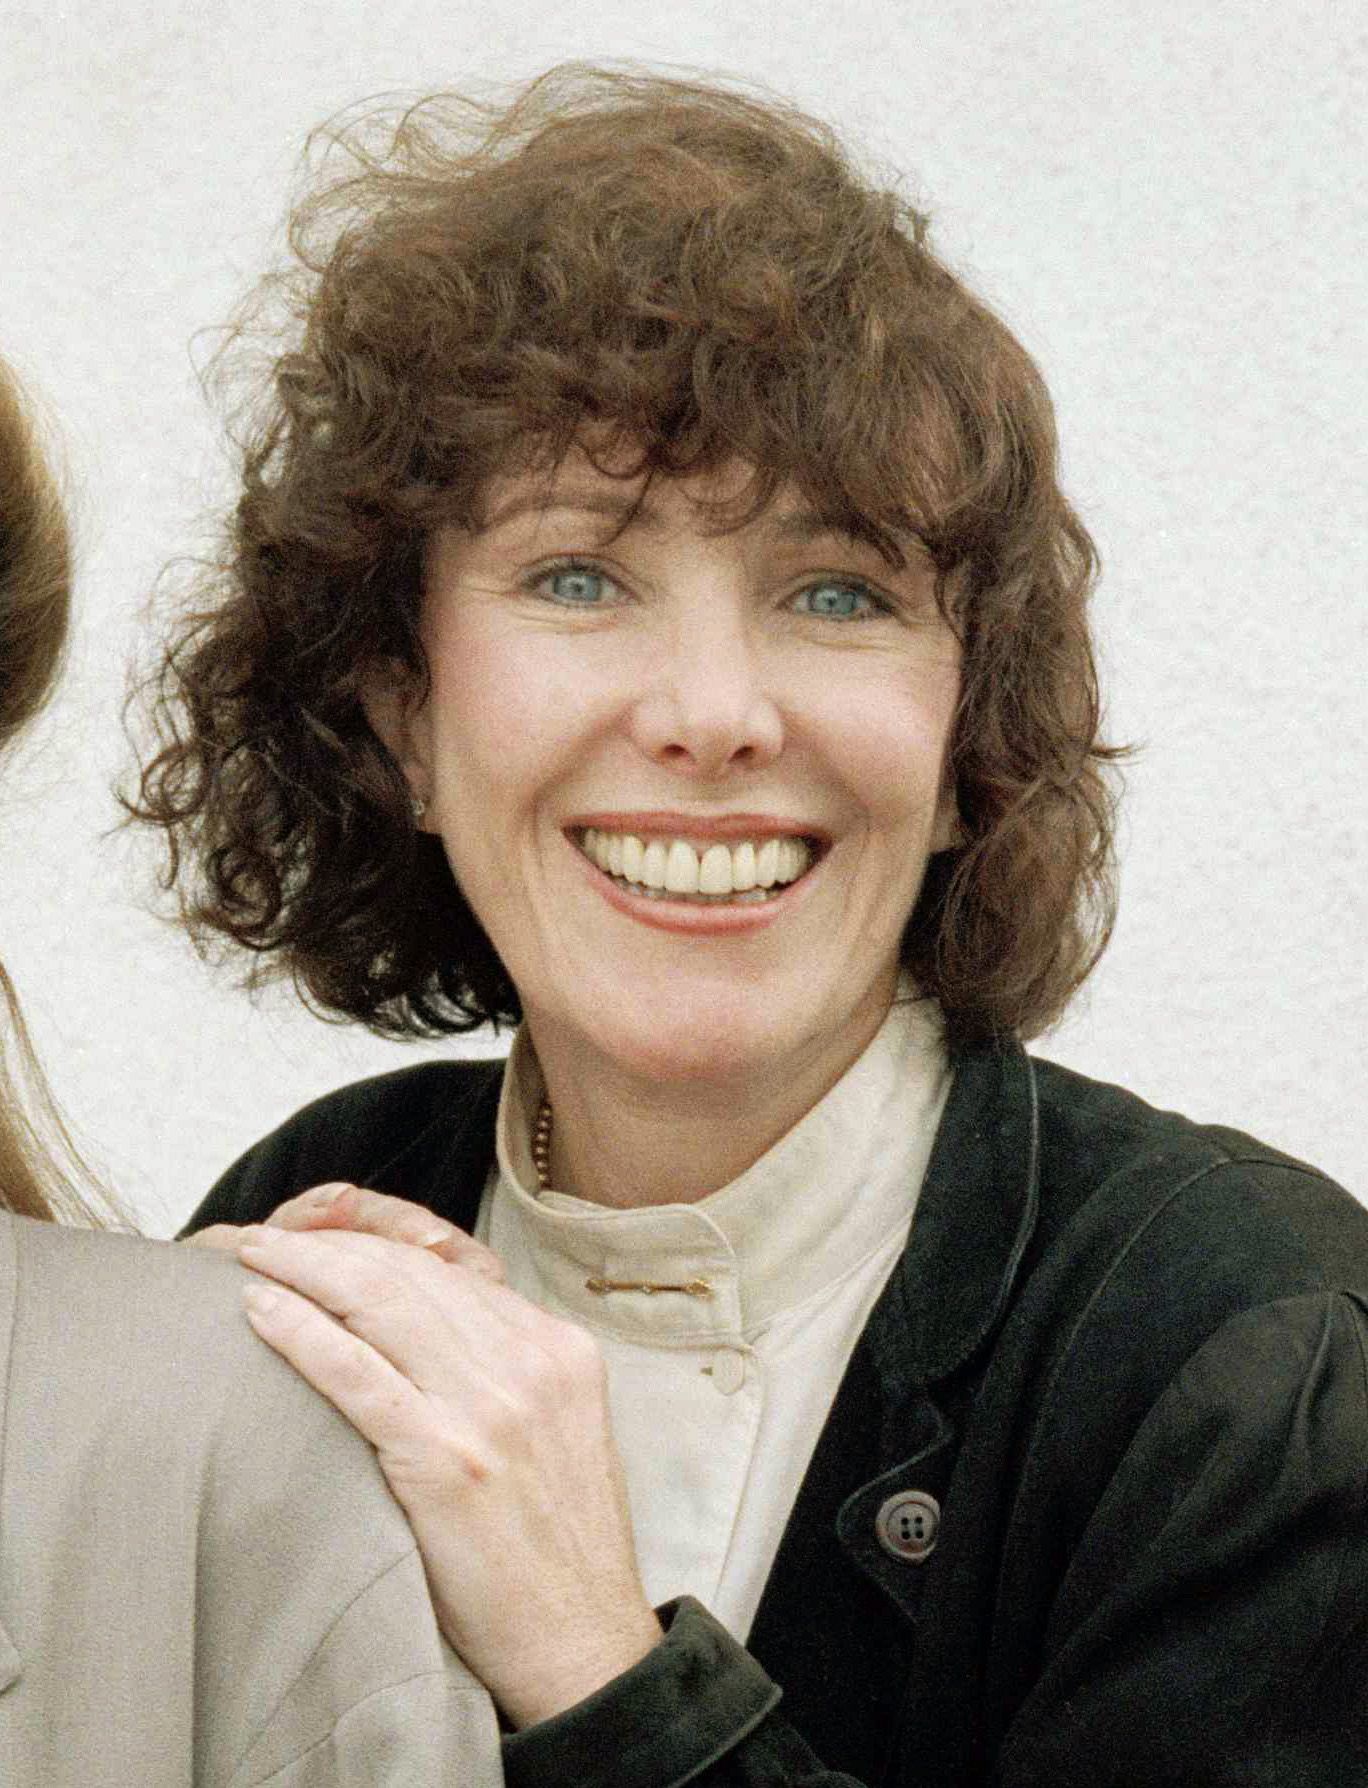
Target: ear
[(389, 699)]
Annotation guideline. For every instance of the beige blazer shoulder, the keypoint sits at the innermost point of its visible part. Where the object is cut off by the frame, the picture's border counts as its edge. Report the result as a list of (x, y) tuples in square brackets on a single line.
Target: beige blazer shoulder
[(204, 1581)]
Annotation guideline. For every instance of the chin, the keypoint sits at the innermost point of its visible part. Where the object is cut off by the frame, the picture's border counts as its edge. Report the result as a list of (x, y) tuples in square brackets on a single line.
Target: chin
[(710, 1037), (667, 1063)]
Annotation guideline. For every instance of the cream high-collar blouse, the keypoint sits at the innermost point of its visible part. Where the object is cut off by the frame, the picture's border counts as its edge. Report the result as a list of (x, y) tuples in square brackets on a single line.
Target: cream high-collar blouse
[(718, 1394)]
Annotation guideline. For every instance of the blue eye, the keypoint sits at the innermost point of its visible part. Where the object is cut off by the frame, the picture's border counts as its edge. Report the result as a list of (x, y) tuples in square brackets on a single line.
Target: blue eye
[(576, 586), (835, 600)]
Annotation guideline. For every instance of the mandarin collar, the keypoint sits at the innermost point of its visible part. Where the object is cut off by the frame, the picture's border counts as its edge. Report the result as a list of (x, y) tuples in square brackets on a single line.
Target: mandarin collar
[(827, 1195), (976, 1213)]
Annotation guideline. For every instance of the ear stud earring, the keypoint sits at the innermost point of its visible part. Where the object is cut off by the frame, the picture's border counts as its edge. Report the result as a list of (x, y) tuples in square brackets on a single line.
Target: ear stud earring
[(418, 806)]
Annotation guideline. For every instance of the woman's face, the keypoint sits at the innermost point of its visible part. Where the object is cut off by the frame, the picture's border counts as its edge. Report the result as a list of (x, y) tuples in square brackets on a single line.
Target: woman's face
[(765, 711)]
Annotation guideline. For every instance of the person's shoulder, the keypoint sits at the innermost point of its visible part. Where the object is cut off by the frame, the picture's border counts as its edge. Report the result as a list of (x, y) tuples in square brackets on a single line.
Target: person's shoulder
[(388, 1110), (138, 1352), (249, 1513), (1111, 1162), (358, 1133), (103, 1314), (142, 1349)]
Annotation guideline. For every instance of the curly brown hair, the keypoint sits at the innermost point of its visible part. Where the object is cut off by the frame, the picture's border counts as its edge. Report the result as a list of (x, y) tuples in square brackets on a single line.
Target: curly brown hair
[(701, 274)]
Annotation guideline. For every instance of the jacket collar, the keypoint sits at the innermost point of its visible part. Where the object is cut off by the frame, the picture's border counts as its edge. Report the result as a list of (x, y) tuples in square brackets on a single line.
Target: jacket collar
[(975, 1218), (447, 1163)]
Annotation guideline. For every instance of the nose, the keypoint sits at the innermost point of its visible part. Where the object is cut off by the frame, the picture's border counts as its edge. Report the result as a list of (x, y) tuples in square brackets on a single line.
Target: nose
[(706, 710)]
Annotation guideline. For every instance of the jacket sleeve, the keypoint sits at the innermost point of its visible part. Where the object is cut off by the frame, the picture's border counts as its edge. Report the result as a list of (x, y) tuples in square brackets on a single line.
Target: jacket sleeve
[(1212, 1626), (698, 1708), (376, 1707), (1210, 1630)]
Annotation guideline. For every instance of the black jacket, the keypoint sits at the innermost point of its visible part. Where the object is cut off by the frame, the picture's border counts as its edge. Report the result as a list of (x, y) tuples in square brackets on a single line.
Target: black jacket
[(1123, 1355)]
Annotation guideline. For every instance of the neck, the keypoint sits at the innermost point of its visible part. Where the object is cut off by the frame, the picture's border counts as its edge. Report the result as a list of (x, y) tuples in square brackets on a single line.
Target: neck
[(623, 1140)]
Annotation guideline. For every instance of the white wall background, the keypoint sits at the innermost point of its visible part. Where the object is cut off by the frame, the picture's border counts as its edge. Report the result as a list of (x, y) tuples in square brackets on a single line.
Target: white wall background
[(1165, 199)]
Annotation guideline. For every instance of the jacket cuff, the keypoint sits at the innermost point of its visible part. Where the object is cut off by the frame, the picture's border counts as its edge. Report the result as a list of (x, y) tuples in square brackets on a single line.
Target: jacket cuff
[(689, 1701)]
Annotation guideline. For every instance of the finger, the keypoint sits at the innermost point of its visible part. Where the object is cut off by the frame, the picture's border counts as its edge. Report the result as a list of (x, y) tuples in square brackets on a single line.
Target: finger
[(375, 1398), (223, 1236), (432, 1321), (354, 1265), (344, 1268), (373, 1285), (343, 1206)]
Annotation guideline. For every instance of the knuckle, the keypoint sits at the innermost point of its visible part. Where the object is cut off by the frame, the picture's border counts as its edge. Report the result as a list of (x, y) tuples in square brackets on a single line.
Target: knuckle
[(217, 1235), (352, 1374), (371, 1286), (476, 1466), (385, 1210), (464, 1250), (313, 1205), (510, 1417), (288, 1208), (565, 1364), (575, 1351)]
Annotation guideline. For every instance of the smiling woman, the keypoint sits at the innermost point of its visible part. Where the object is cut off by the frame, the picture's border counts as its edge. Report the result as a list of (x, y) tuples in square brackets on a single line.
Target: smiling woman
[(616, 281), (652, 616), (659, 692)]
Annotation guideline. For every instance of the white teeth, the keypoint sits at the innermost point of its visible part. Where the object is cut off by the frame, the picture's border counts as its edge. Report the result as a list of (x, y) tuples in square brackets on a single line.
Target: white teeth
[(718, 871), (715, 870), (653, 864), (681, 868)]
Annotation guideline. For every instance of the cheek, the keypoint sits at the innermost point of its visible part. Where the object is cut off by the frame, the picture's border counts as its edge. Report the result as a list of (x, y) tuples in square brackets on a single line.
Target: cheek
[(485, 698), (891, 749), (508, 721)]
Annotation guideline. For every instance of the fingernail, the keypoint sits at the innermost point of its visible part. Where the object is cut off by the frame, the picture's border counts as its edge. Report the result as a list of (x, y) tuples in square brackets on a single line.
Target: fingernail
[(434, 1237), (322, 1196), (260, 1296)]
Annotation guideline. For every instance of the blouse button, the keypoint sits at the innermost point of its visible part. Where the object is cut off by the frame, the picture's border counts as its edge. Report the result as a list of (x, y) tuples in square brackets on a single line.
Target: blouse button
[(907, 1525), (728, 1370)]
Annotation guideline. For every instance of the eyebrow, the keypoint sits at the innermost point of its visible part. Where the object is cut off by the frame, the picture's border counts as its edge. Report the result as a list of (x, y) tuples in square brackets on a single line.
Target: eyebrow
[(797, 525)]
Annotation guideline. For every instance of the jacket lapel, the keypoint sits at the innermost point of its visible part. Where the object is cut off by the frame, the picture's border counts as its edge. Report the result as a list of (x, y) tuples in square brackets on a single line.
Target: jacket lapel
[(836, 1625)]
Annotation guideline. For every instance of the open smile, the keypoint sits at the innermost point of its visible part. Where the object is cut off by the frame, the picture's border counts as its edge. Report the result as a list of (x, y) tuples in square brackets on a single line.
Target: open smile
[(750, 870), (688, 880)]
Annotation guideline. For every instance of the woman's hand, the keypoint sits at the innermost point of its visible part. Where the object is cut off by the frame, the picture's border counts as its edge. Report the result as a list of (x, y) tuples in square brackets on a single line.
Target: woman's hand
[(490, 1418), (342, 1206)]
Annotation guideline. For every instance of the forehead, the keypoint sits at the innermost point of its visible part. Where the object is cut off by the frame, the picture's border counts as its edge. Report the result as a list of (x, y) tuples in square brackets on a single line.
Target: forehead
[(720, 500)]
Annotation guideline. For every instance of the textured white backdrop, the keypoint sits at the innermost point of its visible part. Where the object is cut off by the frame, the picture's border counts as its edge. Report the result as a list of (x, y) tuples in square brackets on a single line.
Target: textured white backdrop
[(1167, 203)]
